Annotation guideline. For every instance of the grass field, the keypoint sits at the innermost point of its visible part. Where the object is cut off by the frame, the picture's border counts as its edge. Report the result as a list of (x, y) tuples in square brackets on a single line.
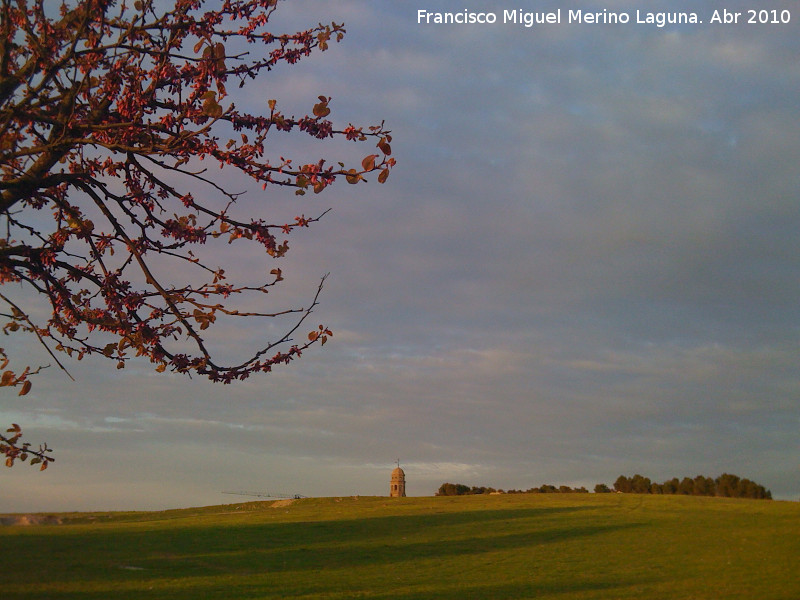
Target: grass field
[(490, 547)]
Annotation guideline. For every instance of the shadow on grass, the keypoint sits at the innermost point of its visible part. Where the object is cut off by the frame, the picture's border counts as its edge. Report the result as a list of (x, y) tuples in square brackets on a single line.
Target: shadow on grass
[(249, 561), (515, 591)]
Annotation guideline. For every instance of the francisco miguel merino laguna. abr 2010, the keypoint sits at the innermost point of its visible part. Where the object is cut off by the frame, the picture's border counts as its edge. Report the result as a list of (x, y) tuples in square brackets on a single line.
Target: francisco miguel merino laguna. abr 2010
[(569, 16)]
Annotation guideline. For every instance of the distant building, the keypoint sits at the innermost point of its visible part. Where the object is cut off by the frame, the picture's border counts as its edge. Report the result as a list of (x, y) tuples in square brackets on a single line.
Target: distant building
[(397, 488)]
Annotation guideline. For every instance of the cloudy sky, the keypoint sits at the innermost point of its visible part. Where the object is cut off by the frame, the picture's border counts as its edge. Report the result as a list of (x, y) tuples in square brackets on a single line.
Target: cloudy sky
[(586, 264)]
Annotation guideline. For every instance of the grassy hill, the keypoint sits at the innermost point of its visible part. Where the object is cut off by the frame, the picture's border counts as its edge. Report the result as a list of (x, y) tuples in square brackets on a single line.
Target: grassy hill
[(490, 547)]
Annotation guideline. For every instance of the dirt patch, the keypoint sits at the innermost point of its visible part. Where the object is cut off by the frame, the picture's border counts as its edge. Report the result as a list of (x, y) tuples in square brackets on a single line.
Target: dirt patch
[(282, 503), (29, 520)]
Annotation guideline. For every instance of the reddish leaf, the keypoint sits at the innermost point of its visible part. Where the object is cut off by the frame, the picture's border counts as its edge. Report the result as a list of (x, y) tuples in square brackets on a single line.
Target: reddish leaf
[(369, 162), (7, 379), (321, 109)]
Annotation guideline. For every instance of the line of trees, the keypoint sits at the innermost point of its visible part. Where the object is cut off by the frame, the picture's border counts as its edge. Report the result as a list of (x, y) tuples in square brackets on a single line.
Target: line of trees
[(550, 489), (726, 485), (459, 489)]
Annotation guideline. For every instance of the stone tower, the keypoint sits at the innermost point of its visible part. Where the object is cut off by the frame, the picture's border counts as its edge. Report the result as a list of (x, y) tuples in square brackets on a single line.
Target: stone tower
[(397, 488)]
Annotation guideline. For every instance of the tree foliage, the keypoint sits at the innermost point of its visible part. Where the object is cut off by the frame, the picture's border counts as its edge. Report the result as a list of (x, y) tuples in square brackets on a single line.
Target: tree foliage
[(12, 449), (726, 485), (454, 489), (113, 116), (459, 489)]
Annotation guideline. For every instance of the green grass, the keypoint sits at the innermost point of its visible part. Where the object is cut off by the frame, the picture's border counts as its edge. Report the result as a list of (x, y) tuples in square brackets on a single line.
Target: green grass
[(490, 547)]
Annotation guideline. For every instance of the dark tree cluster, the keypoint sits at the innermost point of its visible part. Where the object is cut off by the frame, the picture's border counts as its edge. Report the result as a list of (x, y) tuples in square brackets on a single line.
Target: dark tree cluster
[(726, 486), (551, 489), (459, 489)]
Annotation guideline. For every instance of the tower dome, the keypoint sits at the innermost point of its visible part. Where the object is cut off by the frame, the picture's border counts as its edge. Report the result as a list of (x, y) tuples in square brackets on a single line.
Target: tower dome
[(397, 487)]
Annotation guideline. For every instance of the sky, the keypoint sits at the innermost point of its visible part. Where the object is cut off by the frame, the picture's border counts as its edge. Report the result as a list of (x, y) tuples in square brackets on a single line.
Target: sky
[(586, 263)]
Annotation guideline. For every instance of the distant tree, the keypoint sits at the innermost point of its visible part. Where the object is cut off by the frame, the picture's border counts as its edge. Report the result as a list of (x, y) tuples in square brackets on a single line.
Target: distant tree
[(686, 486), (750, 489), (727, 485), (111, 117), (703, 486), (640, 484), (602, 488), (453, 489), (623, 484), (671, 486)]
